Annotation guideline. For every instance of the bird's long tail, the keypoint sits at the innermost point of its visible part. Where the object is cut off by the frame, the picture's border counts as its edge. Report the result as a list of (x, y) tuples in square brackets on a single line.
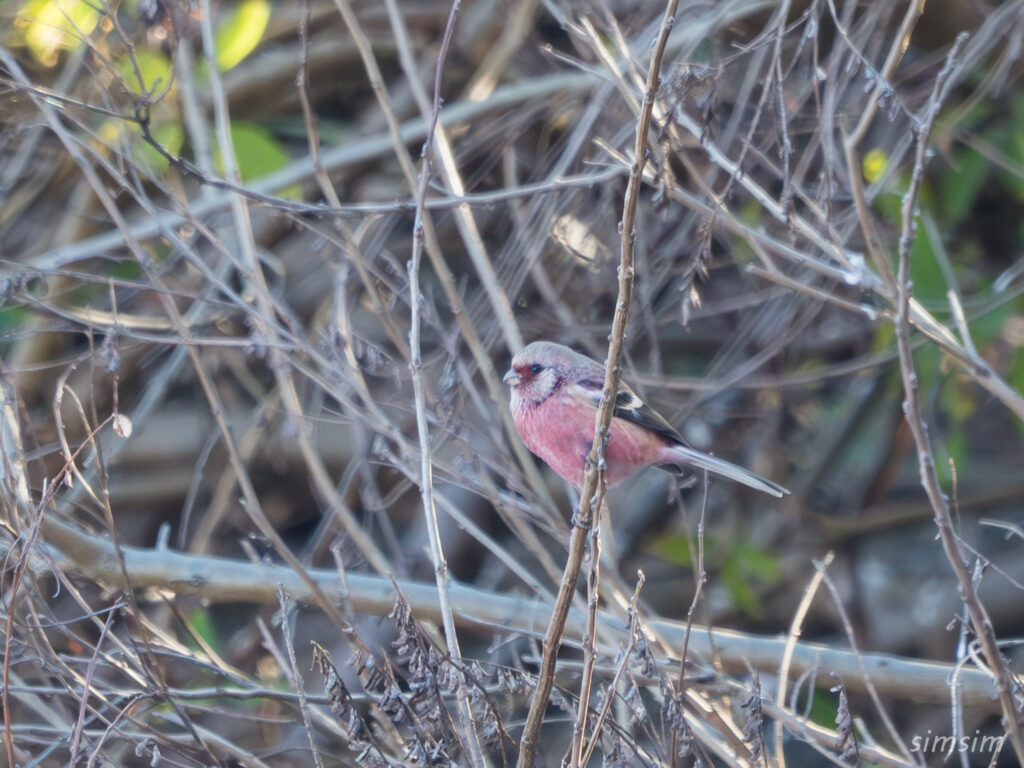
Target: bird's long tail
[(690, 457)]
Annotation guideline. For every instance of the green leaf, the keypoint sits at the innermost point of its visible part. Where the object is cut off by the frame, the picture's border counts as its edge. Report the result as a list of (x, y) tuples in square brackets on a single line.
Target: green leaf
[(988, 327), (170, 136), (824, 710), (258, 153), (746, 567), (889, 207), (957, 400), (154, 67), (13, 317), (126, 270), (1016, 379), (926, 364), (884, 338), (960, 186), (256, 150), (751, 213), (674, 549), (241, 31), (202, 624), (929, 282)]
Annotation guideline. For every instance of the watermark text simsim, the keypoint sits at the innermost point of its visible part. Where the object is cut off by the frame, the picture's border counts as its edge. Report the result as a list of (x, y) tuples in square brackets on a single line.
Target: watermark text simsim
[(938, 743)]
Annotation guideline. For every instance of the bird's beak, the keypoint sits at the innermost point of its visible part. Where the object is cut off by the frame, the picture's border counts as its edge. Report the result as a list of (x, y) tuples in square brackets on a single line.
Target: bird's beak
[(511, 377)]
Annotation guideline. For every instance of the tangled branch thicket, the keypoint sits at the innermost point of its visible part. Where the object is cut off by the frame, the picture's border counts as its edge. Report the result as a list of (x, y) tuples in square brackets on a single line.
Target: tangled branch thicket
[(263, 268)]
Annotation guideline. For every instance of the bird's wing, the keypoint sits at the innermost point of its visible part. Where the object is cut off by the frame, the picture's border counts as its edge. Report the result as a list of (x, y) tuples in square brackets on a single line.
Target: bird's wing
[(629, 407)]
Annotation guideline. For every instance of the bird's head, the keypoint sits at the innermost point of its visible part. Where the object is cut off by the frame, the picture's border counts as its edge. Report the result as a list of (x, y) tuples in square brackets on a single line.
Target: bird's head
[(537, 372)]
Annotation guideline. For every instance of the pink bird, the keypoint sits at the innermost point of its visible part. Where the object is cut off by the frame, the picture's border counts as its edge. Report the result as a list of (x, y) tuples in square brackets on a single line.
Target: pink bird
[(555, 396)]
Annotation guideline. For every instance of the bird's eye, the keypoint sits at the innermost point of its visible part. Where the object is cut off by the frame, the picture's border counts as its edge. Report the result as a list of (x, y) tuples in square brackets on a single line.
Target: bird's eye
[(536, 368)]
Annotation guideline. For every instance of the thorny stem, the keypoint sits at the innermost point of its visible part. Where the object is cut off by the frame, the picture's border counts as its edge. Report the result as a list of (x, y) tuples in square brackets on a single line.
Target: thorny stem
[(980, 620), (592, 493)]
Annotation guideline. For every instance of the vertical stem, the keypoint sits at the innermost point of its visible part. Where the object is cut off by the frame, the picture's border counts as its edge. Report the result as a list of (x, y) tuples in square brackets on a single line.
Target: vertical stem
[(469, 738), (592, 493), (589, 652), (980, 620)]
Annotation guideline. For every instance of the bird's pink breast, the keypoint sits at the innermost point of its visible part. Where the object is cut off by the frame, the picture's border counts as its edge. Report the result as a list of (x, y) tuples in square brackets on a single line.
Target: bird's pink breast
[(560, 431)]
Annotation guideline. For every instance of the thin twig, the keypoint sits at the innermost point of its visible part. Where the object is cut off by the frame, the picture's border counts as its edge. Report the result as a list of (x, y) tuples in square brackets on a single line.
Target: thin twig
[(296, 676), (468, 735), (579, 727), (464, 218), (876, 699), (919, 317), (899, 47), (635, 632), (787, 657), (802, 728), (700, 578)]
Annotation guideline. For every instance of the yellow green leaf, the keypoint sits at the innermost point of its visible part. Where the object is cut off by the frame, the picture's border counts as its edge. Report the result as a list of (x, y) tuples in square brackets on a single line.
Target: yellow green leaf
[(746, 570), (51, 26), (154, 67), (170, 136), (873, 165), (241, 31)]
